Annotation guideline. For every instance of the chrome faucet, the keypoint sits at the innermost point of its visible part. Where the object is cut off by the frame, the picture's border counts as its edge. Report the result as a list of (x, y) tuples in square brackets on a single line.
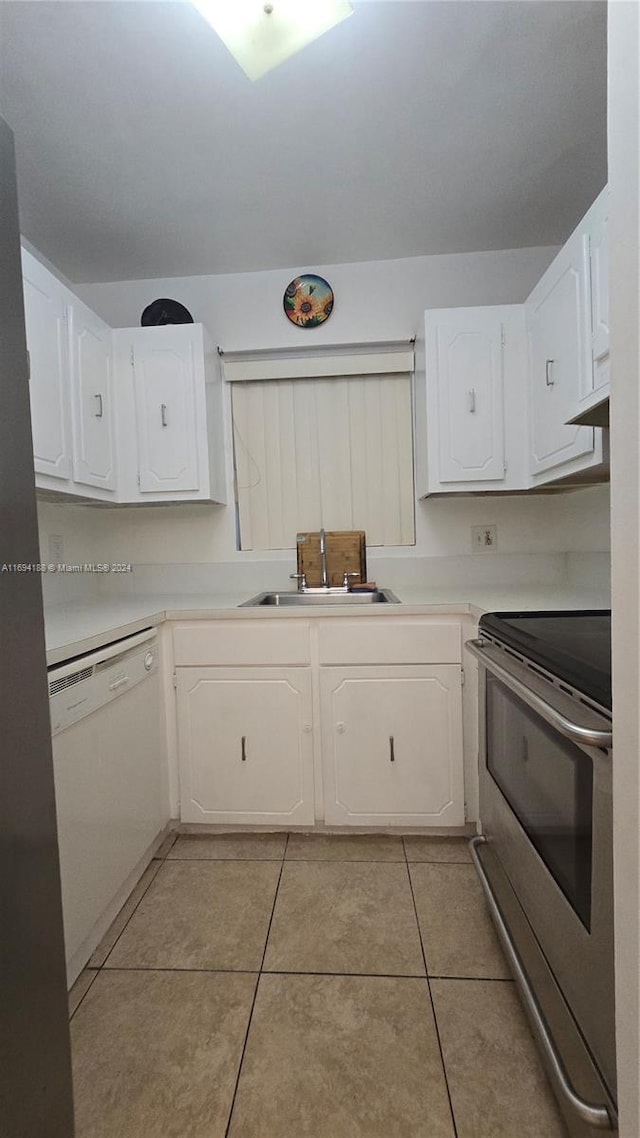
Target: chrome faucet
[(323, 559)]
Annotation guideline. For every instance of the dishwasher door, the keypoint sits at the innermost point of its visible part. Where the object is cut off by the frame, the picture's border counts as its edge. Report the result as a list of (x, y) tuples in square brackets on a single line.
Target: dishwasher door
[(109, 755)]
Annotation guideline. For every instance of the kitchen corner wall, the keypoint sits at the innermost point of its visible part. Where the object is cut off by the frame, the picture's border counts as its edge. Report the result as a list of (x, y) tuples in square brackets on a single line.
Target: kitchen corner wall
[(192, 547)]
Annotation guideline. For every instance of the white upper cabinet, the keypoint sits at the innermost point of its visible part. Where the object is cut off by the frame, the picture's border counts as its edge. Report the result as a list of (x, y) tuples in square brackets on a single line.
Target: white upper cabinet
[(597, 227), (568, 326), (128, 415), (169, 414), (464, 354), (468, 400), (167, 376), (46, 329), (560, 360), (91, 358)]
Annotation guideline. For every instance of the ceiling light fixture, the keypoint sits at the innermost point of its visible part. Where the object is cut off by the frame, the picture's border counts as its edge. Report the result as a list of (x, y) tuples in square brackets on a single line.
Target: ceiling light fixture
[(260, 36)]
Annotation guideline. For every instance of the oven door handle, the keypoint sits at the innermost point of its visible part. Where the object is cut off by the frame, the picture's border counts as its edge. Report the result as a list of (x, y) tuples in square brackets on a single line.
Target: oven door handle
[(598, 1117), (587, 736)]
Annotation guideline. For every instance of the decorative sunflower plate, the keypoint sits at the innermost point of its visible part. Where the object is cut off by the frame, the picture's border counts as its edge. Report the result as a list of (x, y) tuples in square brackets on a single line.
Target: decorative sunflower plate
[(308, 301)]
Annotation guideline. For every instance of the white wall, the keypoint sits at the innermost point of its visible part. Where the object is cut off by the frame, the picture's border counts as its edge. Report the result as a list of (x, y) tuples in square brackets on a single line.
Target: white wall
[(374, 301), (624, 238)]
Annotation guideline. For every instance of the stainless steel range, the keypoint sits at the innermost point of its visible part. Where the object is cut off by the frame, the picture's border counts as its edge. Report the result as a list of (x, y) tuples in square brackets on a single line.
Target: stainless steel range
[(546, 852)]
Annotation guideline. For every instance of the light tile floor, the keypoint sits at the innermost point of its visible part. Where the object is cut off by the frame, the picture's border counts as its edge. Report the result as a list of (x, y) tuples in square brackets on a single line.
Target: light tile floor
[(259, 986)]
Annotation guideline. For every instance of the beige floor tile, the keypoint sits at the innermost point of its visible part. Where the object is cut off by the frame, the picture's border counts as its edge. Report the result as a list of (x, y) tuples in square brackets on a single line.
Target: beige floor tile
[(421, 848), (205, 914), (497, 1084), (80, 988), (269, 847), (113, 932), (344, 917), (457, 933), (344, 847), (341, 1057), (156, 1054)]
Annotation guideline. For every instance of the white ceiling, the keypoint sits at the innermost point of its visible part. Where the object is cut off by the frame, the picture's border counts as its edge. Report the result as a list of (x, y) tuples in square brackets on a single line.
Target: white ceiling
[(414, 127)]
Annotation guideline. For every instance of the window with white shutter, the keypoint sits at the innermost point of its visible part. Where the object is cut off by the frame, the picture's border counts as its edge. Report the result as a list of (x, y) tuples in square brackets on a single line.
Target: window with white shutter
[(333, 451)]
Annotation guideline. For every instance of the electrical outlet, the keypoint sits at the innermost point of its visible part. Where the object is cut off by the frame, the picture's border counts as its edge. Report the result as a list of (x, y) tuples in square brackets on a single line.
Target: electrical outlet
[(484, 538), (56, 549)]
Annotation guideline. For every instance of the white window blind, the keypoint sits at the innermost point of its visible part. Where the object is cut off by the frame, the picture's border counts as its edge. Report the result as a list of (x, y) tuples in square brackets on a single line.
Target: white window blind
[(333, 452)]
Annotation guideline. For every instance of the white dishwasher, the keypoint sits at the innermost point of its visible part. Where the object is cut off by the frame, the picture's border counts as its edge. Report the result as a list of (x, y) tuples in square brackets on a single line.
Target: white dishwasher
[(107, 725)]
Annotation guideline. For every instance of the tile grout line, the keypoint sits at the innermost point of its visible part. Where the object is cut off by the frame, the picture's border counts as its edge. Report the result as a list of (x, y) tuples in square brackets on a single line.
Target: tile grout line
[(433, 1007), (99, 968), (166, 859), (477, 979), (255, 993), (84, 994), (287, 972)]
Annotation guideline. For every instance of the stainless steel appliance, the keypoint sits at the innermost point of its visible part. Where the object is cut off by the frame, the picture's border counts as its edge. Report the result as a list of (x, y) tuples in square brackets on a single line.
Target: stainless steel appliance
[(35, 1075), (546, 852)]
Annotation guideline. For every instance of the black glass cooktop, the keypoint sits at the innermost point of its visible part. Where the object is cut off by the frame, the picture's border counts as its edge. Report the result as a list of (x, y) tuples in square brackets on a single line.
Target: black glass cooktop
[(574, 646)]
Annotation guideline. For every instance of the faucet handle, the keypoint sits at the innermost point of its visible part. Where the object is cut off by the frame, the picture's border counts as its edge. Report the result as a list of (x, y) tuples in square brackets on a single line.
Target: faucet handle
[(301, 579), (345, 579)]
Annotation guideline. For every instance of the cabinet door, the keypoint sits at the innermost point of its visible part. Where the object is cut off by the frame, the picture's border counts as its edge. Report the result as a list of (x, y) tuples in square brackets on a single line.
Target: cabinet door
[(165, 392), (92, 394), (465, 364), (599, 264), (45, 320), (392, 746), (245, 745), (560, 356)]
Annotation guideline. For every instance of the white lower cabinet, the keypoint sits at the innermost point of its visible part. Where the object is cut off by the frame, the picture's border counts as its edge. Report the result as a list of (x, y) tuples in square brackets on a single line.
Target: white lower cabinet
[(392, 745), (245, 741), (270, 712)]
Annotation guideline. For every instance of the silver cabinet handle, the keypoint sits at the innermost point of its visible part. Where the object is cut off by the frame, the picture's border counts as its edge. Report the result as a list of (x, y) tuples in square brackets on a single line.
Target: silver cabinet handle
[(472, 401), (243, 749), (99, 411), (392, 750), (596, 1116), (163, 414), (547, 367), (588, 736)]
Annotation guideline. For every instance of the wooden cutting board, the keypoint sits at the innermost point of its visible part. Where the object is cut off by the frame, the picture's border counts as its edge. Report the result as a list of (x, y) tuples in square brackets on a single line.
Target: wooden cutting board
[(346, 553)]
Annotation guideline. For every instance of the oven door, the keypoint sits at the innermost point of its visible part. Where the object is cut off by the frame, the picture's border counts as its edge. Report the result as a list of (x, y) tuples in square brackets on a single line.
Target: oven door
[(546, 811)]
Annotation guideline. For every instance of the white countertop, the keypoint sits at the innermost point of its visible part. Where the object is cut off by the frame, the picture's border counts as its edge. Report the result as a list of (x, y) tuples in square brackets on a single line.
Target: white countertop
[(74, 628)]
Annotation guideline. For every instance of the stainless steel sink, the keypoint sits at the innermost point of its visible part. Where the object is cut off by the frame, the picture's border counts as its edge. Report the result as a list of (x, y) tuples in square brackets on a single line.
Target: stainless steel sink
[(323, 597)]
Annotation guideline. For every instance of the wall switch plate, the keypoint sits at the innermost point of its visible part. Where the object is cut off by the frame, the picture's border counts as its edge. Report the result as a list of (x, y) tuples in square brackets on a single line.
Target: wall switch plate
[(56, 549), (484, 538)]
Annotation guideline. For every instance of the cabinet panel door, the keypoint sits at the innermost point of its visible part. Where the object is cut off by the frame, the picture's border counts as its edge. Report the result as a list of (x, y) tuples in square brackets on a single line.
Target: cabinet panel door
[(599, 250), (464, 357), (92, 394), (164, 378), (245, 745), (45, 319), (392, 746), (560, 358)]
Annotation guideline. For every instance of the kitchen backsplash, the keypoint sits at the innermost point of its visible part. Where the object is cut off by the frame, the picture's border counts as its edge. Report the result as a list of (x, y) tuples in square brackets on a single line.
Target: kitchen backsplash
[(175, 549)]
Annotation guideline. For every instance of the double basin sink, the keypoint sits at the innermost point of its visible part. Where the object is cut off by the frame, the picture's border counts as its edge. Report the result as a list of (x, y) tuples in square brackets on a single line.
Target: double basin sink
[(322, 597)]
